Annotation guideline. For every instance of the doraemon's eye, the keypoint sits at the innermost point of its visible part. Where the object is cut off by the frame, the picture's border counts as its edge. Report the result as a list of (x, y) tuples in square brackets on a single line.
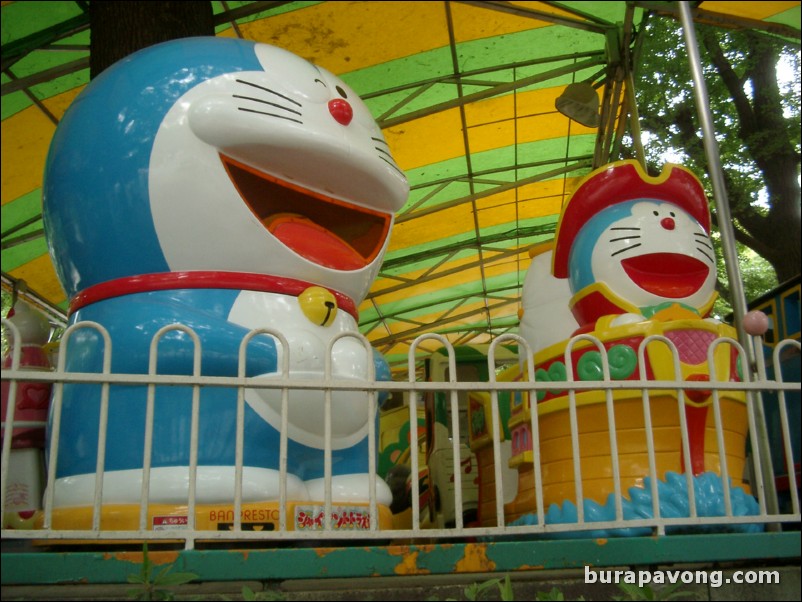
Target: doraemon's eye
[(291, 75), (672, 214), (656, 213), (341, 92)]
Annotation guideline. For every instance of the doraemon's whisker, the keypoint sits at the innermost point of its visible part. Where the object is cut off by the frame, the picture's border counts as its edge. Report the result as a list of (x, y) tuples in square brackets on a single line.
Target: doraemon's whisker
[(626, 249), (295, 102), (623, 228), (391, 164), (624, 238), (705, 244), (702, 234), (270, 115), (267, 102), (383, 151), (379, 140), (702, 251)]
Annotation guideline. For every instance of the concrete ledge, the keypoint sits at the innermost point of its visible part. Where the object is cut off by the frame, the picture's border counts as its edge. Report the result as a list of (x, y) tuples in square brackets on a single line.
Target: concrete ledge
[(526, 585)]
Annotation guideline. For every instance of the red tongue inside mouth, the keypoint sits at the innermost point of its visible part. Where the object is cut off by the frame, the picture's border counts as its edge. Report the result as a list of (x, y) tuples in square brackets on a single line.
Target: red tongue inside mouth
[(321, 229), (315, 243), (668, 275)]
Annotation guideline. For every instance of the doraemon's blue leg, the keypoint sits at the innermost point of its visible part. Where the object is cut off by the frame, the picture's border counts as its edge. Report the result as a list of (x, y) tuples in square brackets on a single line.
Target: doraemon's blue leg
[(132, 321), (350, 419)]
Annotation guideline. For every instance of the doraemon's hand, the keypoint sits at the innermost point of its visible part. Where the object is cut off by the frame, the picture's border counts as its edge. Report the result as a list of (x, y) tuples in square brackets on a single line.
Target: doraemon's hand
[(627, 319)]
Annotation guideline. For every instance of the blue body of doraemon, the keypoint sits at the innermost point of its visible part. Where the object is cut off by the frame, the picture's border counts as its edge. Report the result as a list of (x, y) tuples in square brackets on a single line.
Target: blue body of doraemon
[(226, 186)]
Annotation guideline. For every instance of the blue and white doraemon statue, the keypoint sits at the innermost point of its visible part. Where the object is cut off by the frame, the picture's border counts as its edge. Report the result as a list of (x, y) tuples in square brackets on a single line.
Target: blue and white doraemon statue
[(227, 186)]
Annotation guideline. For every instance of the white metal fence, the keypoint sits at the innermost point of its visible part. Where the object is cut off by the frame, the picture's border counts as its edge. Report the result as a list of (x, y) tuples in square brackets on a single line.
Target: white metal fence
[(768, 513)]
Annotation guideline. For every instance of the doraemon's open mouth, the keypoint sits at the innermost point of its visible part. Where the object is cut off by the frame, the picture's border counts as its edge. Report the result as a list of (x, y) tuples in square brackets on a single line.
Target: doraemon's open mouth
[(668, 275), (321, 229)]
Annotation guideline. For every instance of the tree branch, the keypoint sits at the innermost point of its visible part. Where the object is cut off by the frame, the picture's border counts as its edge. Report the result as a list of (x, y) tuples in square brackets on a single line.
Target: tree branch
[(731, 80)]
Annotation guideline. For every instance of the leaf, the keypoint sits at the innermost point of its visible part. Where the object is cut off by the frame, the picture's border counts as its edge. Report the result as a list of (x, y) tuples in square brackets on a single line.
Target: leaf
[(248, 593), (505, 589), (146, 569), (633, 592), (175, 579), (670, 592), (475, 590), (137, 594), (667, 592), (162, 573)]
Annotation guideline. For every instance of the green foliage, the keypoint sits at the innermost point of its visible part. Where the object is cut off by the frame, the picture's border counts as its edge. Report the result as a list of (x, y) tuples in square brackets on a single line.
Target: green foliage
[(669, 592), (249, 594), (152, 587), (476, 590), (505, 589), (757, 277), (665, 92), (555, 594), (753, 89)]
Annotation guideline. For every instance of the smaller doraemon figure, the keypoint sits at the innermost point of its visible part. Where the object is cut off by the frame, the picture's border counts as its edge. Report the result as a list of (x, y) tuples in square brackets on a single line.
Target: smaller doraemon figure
[(636, 247), (32, 398), (24, 481), (632, 260)]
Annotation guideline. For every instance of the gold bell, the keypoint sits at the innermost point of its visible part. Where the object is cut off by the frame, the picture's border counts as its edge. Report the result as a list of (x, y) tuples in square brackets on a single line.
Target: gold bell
[(319, 305)]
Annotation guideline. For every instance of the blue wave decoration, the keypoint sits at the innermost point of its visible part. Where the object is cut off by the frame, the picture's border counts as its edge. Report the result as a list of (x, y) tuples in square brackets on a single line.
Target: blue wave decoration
[(673, 502)]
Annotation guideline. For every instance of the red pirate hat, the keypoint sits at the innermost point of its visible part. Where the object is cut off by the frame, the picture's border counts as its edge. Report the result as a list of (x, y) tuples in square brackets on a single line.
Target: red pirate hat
[(625, 181)]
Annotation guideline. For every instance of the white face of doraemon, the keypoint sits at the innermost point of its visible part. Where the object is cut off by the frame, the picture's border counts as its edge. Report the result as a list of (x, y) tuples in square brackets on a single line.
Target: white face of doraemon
[(647, 253), (281, 172)]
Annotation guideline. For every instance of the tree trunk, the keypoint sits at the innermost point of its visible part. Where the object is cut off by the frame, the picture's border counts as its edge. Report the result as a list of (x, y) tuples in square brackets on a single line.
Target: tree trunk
[(121, 28), (765, 134)]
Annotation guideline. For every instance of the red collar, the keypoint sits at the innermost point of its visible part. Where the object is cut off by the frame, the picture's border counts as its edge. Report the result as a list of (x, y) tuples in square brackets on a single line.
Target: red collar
[(212, 280)]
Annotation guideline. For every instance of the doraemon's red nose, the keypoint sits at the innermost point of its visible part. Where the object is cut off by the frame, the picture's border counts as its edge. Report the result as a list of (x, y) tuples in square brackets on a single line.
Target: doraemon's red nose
[(341, 111), (668, 223)]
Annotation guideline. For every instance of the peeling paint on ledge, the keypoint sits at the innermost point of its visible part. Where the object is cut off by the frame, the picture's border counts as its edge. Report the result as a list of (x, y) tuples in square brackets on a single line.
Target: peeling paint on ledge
[(409, 559), (409, 565), (156, 558), (475, 560), (112, 566), (323, 552)]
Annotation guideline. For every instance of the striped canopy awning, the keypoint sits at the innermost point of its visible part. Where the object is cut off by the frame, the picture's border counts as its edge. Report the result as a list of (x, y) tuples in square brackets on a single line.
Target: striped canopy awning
[(465, 93)]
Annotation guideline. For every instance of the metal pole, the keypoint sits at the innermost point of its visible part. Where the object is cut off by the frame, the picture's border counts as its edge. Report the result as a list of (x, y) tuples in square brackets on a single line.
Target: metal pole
[(727, 240), (716, 175)]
